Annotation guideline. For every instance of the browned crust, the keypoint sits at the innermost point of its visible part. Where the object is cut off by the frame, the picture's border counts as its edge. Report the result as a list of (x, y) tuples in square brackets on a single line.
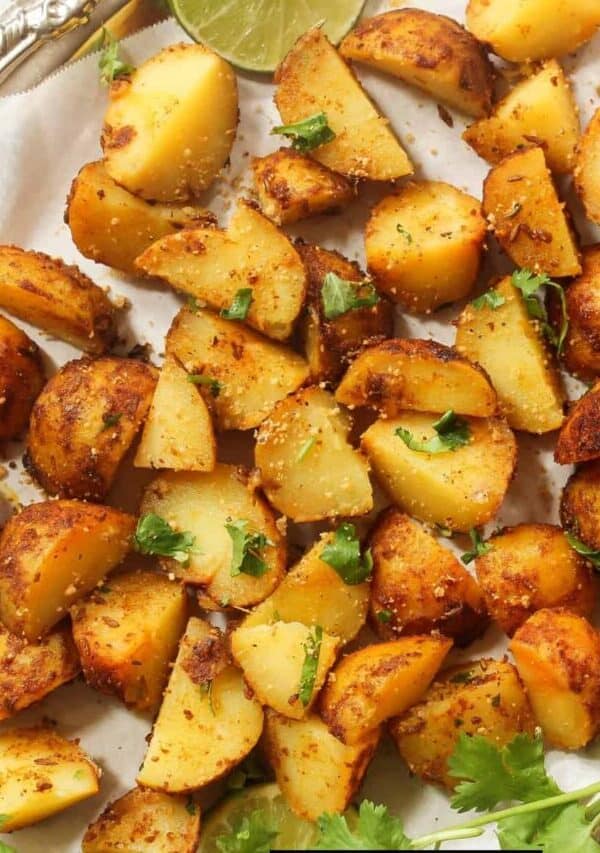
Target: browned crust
[(579, 437)]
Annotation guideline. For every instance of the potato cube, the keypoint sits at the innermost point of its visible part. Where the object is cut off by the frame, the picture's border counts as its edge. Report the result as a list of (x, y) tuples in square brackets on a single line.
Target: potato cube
[(21, 379), (580, 504), (581, 351), (587, 169), (579, 437)]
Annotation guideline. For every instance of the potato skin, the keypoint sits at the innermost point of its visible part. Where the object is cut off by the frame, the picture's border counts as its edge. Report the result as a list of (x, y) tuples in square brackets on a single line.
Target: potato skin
[(587, 168), (582, 344), (419, 586), (530, 567), (72, 451), (580, 504), (21, 379), (579, 437)]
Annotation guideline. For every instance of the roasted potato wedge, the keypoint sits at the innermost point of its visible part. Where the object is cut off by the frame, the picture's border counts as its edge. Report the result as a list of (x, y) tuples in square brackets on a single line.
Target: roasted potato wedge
[(169, 127), (112, 226), (203, 504), (313, 78), (459, 489), (482, 697), (530, 567), (527, 217), (581, 352), (127, 633), (423, 375), (308, 469), (579, 437), (418, 586), (558, 657), (424, 244), (21, 379), (84, 422), (42, 774), (51, 554), (215, 265), (145, 822), (208, 722), (587, 168), (316, 772), (178, 433), (506, 343), (426, 50), (540, 109), (580, 504), (57, 298)]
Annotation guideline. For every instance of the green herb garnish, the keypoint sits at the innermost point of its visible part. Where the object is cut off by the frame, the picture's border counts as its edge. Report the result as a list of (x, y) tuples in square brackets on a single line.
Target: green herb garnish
[(110, 64), (490, 299), (584, 550), (110, 420), (529, 283), (251, 834), (340, 295), (452, 432), (246, 555), (406, 234), (305, 448), (384, 616), (213, 384), (312, 650), (240, 305), (154, 535), (479, 549), (343, 555), (308, 133)]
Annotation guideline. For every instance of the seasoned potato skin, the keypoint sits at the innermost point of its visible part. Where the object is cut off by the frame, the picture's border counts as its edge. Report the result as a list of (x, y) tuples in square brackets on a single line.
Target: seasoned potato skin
[(419, 586), (579, 437), (580, 504), (587, 168), (71, 450), (21, 379), (582, 345)]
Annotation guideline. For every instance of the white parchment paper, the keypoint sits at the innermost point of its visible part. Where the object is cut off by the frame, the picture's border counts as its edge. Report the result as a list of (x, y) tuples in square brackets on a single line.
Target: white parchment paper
[(46, 135)]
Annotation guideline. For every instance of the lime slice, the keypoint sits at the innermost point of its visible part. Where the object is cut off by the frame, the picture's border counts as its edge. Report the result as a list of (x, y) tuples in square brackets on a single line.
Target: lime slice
[(257, 34)]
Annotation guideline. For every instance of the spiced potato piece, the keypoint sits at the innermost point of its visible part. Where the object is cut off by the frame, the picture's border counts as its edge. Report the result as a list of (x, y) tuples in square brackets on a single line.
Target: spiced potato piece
[(580, 504), (579, 437), (84, 422), (21, 379), (582, 343), (426, 50), (587, 168)]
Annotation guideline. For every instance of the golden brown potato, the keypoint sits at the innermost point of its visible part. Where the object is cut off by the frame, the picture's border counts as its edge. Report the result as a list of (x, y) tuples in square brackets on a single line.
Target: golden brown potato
[(145, 822), (21, 379), (424, 244), (203, 504), (535, 29), (127, 633), (83, 423), (558, 657), (587, 168), (418, 586), (424, 376), (313, 78), (51, 554), (579, 437), (581, 352), (458, 489), (215, 266), (57, 298), (530, 567), (482, 697), (316, 772), (308, 469), (529, 388), (527, 217), (42, 774), (112, 226), (580, 504), (426, 50), (540, 109), (253, 373), (169, 127), (208, 721), (29, 671), (291, 186)]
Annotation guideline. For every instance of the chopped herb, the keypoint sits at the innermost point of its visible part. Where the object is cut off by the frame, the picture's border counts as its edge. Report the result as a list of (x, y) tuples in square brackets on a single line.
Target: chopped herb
[(406, 234), (312, 650), (190, 806), (251, 834), (238, 310), (385, 616), (6, 848), (110, 420), (480, 548), (465, 677), (529, 283), (198, 379), (496, 701), (79, 774), (154, 535), (305, 448), (452, 432), (246, 556), (193, 304), (308, 133), (376, 829), (490, 299), (343, 555), (584, 550), (207, 690), (3, 819), (340, 295), (110, 64), (250, 770)]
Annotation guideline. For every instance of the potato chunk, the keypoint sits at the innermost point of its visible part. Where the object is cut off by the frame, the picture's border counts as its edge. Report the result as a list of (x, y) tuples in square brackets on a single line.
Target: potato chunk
[(29, 671), (21, 379), (558, 657), (127, 634), (422, 375), (540, 109), (57, 298), (178, 433), (581, 351), (507, 344), (169, 128), (424, 244), (587, 170), (112, 226), (459, 489), (203, 504), (527, 216), (313, 78), (207, 722), (482, 697), (579, 437), (84, 422), (214, 265), (145, 822), (418, 586), (316, 772), (426, 50), (308, 469), (580, 504), (41, 774), (51, 554)]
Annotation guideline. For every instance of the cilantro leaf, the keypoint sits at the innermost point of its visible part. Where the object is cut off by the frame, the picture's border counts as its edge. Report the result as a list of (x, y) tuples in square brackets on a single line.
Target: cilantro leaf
[(110, 64), (305, 448), (308, 133), (110, 420), (250, 835), (480, 548), (569, 830), (343, 555), (199, 379), (154, 535), (190, 806), (376, 829), (240, 305), (245, 556), (452, 432), (340, 295), (490, 299), (6, 848), (384, 616), (250, 770), (312, 650), (580, 547), (406, 234), (3, 819), (529, 283)]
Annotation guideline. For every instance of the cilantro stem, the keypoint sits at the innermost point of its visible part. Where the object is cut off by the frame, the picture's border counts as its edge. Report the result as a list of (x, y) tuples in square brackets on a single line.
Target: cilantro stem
[(446, 835)]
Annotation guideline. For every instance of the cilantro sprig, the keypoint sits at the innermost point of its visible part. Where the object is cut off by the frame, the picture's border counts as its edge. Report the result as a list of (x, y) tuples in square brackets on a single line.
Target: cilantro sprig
[(452, 432), (344, 555), (110, 419), (154, 535), (529, 284), (240, 305), (110, 63), (340, 295), (246, 553), (308, 675), (479, 549), (251, 834), (490, 299), (376, 829), (200, 379), (591, 555), (308, 133)]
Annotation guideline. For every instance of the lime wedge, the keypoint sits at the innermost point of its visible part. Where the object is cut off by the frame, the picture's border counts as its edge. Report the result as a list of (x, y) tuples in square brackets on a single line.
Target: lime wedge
[(257, 34)]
